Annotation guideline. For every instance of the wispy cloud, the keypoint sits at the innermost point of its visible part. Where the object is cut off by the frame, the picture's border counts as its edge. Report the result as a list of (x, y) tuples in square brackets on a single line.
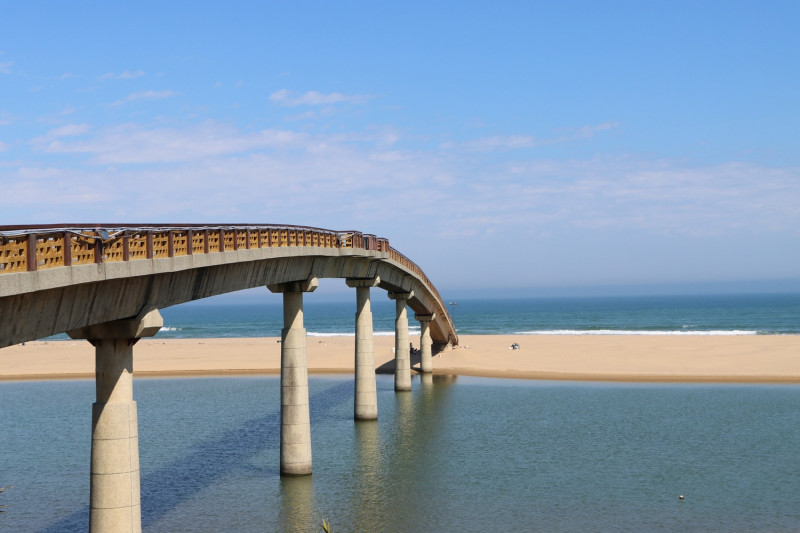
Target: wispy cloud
[(134, 144), (124, 75), (342, 180), (145, 95), (5, 67), (313, 98), (515, 142)]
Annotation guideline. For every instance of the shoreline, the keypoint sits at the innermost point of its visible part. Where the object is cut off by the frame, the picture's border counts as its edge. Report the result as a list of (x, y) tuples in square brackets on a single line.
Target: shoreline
[(756, 359)]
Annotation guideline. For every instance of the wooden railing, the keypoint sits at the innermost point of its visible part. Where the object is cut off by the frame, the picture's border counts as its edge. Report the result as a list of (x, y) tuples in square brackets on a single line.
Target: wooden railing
[(28, 249)]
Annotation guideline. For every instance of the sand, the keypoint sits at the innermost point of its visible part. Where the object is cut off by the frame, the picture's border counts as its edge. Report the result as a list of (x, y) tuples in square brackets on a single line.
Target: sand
[(747, 359)]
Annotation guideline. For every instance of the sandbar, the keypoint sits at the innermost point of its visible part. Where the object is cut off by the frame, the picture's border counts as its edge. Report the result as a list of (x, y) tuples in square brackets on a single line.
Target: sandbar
[(646, 358)]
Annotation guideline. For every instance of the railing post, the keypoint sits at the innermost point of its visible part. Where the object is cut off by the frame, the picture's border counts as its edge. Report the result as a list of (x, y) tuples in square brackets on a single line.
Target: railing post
[(126, 247), (235, 240), (149, 244), (170, 243), (189, 237), (98, 250), (30, 253), (67, 249), (206, 248)]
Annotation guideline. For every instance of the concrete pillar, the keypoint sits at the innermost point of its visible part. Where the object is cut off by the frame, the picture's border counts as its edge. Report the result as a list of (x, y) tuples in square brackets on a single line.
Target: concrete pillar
[(402, 353), (366, 396), (295, 416), (426, 359), (114, 488)]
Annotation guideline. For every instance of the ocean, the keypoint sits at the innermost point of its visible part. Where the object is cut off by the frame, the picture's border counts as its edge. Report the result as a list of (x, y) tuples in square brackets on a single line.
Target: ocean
[(455, 454), (751, 314)]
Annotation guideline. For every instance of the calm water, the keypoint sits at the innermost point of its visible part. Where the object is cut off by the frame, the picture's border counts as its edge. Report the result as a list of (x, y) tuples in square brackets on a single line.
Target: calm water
[(454, 455)]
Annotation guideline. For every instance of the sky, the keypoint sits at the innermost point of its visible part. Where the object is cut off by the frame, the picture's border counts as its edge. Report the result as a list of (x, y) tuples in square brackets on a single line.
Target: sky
[(513, 147)]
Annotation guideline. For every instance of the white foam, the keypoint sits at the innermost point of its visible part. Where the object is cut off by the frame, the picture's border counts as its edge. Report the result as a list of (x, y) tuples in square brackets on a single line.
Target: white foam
[(339, 334), (635, 332)]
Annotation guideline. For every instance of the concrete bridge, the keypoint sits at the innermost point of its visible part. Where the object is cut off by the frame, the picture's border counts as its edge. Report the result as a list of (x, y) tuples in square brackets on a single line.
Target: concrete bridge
[(105, 283)]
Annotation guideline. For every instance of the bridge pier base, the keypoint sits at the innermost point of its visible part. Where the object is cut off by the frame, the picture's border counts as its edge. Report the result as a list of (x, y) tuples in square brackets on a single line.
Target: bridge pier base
[(295, 416), (402, 352), (366, 396), (426, 358), (115, 489)]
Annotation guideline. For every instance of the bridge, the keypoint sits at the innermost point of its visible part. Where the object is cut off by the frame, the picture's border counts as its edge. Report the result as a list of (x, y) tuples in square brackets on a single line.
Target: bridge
[(106, 282)]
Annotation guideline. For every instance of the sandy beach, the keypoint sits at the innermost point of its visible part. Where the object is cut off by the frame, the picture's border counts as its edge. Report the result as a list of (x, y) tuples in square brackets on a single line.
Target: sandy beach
[(756, 358)]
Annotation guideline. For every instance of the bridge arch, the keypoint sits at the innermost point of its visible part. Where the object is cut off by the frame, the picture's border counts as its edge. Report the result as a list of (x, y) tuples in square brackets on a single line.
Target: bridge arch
[(55, 279)]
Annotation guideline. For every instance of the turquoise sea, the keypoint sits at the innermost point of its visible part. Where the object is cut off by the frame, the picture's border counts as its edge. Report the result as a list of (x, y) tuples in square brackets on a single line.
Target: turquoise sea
[(455, 454), (749, 314)]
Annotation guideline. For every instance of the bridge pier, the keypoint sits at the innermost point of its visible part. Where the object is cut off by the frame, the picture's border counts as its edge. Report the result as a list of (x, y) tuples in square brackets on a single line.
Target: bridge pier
[(114, 489), (426, 358), (295, 416), (402, 352), (366, 395)]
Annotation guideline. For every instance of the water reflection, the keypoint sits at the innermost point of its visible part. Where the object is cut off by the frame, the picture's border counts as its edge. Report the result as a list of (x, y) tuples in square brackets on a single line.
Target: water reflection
[(368, 493), (297, 503)]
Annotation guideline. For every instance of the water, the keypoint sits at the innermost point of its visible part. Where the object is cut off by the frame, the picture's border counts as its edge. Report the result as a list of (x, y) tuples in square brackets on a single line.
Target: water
[(465, 454), (671, 315), (751, 314)]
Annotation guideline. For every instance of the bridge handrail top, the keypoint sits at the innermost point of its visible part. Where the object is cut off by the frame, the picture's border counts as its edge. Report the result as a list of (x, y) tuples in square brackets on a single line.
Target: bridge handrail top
[(77, 228)]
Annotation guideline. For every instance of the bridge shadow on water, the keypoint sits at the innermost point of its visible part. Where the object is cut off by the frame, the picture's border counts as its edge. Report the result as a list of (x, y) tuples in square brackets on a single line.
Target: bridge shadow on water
[(178, 481)]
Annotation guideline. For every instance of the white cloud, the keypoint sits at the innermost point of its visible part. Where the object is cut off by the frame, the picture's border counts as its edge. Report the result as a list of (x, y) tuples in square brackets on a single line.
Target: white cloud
[(125, 75), (313, 98), (145, 95), (133, 144), (68, 130), (515, 142), (5, 67), (3, 146), (368, 180)]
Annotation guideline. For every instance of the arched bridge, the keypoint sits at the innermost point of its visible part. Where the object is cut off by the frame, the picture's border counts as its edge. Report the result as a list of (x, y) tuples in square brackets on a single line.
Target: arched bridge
[(105, 284), (55, 278)]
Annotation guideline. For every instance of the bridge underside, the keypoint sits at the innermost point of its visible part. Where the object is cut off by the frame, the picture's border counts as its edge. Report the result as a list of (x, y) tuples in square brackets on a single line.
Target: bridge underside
[(108, 292)]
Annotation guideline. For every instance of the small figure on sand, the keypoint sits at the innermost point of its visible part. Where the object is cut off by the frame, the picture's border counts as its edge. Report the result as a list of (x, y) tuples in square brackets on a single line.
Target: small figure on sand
[(514, 346)]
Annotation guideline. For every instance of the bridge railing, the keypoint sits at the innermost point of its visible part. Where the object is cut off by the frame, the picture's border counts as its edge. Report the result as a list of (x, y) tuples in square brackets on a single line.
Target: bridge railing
[(28, 249), (33, 248)]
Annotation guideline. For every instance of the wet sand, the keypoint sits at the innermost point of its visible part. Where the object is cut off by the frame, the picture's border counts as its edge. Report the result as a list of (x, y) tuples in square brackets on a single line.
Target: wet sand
[(647, 358)]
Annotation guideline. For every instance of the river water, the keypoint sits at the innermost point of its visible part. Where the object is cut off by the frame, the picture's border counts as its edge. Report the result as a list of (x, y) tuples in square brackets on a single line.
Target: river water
[(455, 454)]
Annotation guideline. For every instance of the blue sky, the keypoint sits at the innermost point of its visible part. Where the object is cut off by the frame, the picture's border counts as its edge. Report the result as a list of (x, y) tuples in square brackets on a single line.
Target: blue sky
[(510, 145)]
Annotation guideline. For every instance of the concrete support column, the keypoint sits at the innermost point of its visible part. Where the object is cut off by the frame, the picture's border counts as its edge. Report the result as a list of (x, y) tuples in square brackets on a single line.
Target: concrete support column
[(426, 358), (402, 353), (114, 489), (295, 416), (366, 396)]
